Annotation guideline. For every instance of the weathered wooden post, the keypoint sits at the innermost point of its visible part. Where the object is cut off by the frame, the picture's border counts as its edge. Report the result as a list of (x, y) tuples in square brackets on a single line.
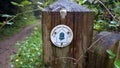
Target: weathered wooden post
[(98, 57), (67, 33)]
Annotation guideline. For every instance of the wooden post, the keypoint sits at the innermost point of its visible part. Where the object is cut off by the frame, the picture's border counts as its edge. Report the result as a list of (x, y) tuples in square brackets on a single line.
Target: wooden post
[(98, 57), (80, 20)]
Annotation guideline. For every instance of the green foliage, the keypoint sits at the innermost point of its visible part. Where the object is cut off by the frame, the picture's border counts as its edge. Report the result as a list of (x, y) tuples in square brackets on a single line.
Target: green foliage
[(25, 3), (6, 15), (101, 14), (111, 54), (30, 52), (101, 25), (15, 3), (117, 63), (14, 23), (22, 4)]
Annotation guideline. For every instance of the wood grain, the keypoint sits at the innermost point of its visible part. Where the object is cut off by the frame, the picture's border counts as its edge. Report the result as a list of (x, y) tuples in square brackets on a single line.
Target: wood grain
[(98, 57), (80, 20), (55, 57)]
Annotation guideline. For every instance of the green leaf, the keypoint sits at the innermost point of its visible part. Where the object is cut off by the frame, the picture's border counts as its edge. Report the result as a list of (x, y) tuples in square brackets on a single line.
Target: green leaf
[(113, 22), (6, 15), (101, 21), (25, 2), (117, 63), (111, 54), (14, 3), (40, 3), (9, 23), (83, 1), (97, 27)]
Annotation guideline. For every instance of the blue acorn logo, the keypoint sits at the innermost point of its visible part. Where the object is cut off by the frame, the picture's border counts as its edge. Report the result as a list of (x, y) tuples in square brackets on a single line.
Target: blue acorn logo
[(61, 36)]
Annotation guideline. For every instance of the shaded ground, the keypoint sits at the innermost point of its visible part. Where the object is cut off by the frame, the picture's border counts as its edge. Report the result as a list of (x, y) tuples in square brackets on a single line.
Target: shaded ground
[(7, 48)]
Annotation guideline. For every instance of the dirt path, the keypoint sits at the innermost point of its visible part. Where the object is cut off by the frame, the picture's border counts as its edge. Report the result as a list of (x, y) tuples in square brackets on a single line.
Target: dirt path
[(6, 46)]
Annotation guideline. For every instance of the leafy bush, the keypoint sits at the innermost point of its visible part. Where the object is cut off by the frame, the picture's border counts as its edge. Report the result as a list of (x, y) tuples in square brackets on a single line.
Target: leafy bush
[(112, 56), (29, 53), (14, 23), (117, 63), (107, 13)]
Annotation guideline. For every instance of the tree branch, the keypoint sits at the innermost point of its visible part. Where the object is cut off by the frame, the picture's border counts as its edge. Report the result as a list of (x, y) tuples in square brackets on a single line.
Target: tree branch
[(114, 17)]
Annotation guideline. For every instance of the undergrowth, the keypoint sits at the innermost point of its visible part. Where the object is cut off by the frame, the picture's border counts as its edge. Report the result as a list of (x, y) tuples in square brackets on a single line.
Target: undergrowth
[(29, 54)]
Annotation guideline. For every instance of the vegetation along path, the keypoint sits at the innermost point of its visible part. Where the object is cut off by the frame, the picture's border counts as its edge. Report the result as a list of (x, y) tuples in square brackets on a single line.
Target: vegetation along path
[(7, 48)]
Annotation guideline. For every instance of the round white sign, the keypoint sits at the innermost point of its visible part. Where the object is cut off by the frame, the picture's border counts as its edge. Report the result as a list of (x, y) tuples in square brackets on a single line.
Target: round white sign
[(61, 35)]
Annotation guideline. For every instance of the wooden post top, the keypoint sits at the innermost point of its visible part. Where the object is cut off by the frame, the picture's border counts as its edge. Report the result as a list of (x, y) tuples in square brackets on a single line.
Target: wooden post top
[(68, 5)]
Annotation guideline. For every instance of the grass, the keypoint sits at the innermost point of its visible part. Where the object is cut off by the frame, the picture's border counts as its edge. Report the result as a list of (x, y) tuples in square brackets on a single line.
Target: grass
[(29, 54)]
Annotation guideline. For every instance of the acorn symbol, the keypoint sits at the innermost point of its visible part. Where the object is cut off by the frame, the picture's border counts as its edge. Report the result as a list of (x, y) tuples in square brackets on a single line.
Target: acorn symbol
[(61, 36)]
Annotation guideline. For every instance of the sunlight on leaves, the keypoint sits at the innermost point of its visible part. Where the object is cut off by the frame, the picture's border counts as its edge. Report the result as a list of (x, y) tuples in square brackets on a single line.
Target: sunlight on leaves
[(16, 4), (25, 3), (6, 15)]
